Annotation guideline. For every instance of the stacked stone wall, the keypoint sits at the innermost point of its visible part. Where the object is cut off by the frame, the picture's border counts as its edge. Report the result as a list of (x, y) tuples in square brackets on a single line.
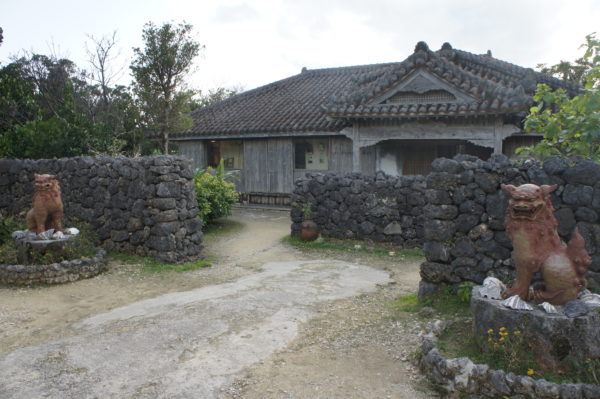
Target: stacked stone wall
[(54, 273), (456, 212), (355, 206), (145, 206), (465, 239)]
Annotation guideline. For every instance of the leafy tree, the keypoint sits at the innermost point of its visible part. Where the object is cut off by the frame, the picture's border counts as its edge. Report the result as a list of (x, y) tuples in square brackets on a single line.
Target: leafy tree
[(47, 110), (1, 35), (571, 126), (215, 95), (159, 71), (576, 72), (17, 102)]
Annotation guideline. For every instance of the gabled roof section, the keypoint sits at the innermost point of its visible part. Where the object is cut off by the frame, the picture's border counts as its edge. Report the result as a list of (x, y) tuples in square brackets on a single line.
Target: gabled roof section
[(420, 86), (495, 87), (445, 83)]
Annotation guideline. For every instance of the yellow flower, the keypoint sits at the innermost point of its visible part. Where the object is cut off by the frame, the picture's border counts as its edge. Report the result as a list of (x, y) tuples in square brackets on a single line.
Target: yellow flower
[(504, 334), (490, 331), (517, 332), (501, 339), (502, 328), (490, 339), (530, 372)]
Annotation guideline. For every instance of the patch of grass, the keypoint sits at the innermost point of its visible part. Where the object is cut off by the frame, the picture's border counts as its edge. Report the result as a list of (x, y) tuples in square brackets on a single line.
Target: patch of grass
[(158, 267), (457, 340), (408, 303), (126, 258), (379, 249), (444, 302), (152, 265)]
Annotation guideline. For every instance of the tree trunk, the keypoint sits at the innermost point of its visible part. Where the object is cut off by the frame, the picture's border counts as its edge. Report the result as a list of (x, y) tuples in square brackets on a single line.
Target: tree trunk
[(165, 139)]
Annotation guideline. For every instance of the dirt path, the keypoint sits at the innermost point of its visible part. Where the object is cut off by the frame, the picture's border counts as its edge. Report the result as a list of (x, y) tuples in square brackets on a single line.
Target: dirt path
[(266, 321)]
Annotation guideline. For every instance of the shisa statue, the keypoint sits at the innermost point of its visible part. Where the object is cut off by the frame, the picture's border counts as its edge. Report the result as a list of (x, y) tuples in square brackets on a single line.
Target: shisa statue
[(44, 222), (532, 227), (47, 207)]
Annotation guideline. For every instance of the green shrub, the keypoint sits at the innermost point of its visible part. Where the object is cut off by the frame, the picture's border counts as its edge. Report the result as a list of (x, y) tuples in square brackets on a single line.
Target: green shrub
[(215, 194), (464, 291), (9, 224)]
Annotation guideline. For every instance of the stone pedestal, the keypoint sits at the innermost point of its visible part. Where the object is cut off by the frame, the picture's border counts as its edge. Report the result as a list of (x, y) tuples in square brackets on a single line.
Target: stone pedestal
[(29, 250), (556, 340)]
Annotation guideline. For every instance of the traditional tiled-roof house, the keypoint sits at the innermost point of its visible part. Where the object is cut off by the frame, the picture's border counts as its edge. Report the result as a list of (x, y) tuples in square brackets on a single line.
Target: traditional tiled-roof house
[(394, 117)]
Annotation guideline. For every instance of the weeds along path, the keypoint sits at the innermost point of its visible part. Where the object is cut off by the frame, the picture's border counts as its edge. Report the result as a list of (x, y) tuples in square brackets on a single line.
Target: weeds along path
[(266, 320)]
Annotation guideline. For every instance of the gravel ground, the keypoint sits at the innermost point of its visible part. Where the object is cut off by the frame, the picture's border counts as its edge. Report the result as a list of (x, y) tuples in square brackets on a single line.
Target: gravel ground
[(354, 347)]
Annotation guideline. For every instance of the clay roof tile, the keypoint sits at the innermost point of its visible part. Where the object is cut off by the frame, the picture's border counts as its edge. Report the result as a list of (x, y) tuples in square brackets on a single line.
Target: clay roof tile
[(323, 100)]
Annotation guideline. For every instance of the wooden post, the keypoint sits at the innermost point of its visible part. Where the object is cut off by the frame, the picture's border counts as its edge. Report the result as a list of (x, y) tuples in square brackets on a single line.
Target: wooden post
[(355, 148)]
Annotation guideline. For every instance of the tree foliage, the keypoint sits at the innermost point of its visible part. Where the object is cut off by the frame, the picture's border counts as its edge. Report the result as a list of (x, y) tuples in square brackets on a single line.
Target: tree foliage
[(215, 96), (159, 71), (571, 126), (47, 111), (576, 72), (49, 107)]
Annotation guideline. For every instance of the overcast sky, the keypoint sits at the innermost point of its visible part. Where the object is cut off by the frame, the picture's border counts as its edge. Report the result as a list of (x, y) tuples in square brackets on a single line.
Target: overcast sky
[(251, 43)]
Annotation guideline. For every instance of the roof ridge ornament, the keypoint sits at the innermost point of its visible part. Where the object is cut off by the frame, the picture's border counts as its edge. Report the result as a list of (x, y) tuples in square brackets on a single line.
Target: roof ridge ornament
[(421, 46), (446, 46)]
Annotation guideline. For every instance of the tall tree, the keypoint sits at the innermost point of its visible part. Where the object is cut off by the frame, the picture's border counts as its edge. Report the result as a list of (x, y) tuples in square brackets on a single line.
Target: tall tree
[(45, 111), (159, 71), (571, 126), (115, 106)]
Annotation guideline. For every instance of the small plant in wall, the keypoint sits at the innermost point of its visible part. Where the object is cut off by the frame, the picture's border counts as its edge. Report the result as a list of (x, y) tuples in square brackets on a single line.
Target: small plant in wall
[(309, 231)]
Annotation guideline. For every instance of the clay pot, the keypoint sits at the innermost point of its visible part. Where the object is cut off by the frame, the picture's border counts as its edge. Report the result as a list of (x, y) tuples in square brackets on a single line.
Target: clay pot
[(309, 231)]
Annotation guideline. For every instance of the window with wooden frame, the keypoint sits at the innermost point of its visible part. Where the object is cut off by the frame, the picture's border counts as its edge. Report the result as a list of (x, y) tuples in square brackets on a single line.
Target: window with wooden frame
[(311, 154), (230, 151)]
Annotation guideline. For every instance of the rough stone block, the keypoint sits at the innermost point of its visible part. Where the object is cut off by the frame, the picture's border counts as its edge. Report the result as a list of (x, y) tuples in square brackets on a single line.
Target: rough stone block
[(438, 273), (584, 172), (439, 230), (558, 337), (446, 212)]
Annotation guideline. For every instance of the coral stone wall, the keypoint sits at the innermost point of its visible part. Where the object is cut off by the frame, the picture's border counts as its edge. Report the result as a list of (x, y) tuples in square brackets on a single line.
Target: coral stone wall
[(379, 208), (469, 242), (54, 273), (456, 212), (142, 205)]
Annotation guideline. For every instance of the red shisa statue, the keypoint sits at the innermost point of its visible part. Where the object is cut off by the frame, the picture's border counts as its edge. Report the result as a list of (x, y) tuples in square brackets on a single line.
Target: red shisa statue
[(47, 207), (532, 227)]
